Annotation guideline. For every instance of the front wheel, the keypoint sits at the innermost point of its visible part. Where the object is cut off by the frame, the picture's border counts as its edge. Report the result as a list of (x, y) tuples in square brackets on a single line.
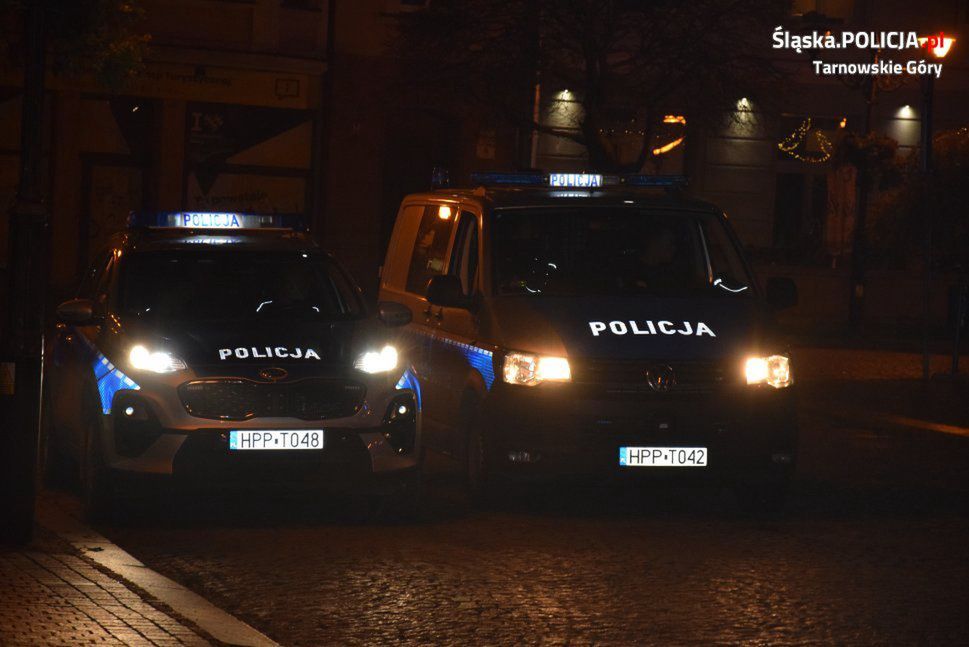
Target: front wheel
[(765, 496), (97, 492), (481, 481), (53, 466), (399, 503)]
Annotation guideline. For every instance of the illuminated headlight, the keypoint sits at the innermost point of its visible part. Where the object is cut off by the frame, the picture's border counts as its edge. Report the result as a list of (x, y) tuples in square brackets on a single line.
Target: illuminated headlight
[(157, 361), (774, 370), (377, 361), (527, 369)]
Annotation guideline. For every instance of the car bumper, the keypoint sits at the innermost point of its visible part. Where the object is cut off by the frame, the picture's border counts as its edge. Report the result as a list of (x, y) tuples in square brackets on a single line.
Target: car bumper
[(558, 431), (148, 432)]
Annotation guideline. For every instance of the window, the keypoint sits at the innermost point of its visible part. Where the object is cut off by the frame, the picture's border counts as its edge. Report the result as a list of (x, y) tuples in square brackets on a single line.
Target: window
[(586, 251), (464, 260), (430, 248), (727, 270), (236, 286)]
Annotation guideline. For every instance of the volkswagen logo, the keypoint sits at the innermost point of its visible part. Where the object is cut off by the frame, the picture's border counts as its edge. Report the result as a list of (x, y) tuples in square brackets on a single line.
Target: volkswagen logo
[(273, 374), (660, 378)]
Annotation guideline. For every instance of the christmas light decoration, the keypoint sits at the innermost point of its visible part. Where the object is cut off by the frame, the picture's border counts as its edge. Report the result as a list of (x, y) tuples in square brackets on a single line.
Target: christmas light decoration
[(792, 142)]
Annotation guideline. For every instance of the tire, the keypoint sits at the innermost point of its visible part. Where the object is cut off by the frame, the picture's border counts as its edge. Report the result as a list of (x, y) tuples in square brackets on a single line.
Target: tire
[(97, 491), (54, 468), (764, 497), (401, 504), (481, 482), (404, 503)]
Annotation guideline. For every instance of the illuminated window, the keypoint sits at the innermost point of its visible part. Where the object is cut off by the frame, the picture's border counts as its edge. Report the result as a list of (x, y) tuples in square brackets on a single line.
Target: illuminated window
[(430, 249)]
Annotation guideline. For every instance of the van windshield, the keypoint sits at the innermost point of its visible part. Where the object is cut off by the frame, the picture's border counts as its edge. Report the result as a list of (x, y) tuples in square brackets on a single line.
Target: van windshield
[(234, 285), (579, 251)]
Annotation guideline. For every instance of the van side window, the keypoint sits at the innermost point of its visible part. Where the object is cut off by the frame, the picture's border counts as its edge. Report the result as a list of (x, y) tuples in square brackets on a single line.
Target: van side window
[(430, 249), (394, 273), (464, 260)]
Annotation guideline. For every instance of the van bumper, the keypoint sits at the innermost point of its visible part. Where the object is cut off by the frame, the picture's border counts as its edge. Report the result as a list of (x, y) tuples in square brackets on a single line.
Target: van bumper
[(534, 432)]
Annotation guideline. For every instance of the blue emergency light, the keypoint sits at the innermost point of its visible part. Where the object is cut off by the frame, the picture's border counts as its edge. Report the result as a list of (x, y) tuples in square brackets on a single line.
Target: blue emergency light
[(575, 180), (214, 220)]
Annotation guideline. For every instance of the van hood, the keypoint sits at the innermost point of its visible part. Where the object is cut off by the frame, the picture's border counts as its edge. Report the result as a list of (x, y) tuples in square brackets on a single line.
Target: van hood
[(631, 328)]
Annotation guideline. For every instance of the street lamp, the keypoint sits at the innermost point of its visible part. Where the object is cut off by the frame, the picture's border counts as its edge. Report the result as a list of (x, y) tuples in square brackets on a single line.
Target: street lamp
[(936, 46)]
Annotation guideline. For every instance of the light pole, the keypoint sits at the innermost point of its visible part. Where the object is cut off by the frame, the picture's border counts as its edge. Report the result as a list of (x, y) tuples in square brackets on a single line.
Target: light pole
[(937, 47)]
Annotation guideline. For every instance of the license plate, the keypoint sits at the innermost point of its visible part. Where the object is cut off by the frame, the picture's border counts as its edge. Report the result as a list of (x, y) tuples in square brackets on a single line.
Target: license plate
[(663, 456), (269, 439)]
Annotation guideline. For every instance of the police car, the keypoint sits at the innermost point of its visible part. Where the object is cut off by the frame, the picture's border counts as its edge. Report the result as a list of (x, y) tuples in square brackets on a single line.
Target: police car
[(581, 324), (225, 349)]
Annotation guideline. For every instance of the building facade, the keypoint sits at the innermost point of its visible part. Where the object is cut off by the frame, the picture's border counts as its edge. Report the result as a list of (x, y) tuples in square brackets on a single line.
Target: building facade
[(225, 115), (288, 106)]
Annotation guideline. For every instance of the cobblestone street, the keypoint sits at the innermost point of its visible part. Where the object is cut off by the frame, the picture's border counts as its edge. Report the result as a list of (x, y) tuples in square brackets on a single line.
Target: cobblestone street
[(49, 596), (874, 549)]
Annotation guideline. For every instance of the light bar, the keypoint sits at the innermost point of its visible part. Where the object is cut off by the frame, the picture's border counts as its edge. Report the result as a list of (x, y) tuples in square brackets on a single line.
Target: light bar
[(515, 179), (653, 180), (214, 220), (575, 180)]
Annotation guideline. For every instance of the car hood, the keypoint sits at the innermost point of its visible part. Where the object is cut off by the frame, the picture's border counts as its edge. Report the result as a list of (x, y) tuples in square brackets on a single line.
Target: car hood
[(301, 349), (633, 328)]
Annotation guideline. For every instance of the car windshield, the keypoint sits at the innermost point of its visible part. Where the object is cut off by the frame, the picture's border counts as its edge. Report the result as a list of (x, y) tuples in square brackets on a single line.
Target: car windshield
[(579, 251), (232, 285)]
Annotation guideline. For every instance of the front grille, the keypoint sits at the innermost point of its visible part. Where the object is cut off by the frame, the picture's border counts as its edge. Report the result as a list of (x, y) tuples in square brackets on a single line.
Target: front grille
[(629, 376), (238, 399)]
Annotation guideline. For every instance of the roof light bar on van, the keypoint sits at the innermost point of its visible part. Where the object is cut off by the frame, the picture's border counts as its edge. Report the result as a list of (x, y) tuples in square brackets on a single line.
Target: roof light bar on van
[(214, 220), (653, 180), (571, 180), (575, 180), (513, 179)]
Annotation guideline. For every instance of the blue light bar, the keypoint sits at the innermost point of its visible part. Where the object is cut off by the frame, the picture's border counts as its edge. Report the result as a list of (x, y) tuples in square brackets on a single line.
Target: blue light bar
[(513, 179), (575, 180), (653, 180), (214, 220), (580, 180)]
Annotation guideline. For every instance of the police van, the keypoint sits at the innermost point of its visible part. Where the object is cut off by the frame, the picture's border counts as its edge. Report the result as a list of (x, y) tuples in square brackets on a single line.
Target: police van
[(228, 350), (581, 324)]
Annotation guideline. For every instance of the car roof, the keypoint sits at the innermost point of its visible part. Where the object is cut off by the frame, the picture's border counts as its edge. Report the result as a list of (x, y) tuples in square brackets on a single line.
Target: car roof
[(144, 239), (510, 197)]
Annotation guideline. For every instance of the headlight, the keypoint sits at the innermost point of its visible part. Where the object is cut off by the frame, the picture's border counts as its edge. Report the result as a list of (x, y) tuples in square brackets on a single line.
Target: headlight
[(377, 361), (158, 361), (527, 369), (774, 370)]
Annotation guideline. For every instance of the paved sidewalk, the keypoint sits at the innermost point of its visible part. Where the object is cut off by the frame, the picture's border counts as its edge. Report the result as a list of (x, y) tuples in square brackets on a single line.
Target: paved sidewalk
[(51, 596), (883, 385)]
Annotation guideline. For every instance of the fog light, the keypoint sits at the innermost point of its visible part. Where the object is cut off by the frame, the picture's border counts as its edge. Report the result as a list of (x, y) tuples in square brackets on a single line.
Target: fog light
[(400, 423), (129, 411)]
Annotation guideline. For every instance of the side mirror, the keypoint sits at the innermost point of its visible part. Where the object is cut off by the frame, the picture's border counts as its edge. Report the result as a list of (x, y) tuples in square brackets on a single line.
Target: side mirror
[(80, 312), (446, 290), (781, 292), (394, 314)]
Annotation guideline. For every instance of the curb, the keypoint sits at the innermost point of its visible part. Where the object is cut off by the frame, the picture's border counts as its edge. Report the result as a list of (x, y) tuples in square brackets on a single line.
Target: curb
[(214, 621), (858, 414)]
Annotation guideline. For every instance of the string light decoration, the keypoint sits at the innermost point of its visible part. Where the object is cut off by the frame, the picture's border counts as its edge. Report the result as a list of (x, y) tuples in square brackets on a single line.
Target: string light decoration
[(666, 148), (792, 142), (659, 150)]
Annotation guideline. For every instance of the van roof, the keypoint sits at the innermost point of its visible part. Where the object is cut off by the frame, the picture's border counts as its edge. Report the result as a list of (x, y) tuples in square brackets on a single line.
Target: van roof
[(509, 197)]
